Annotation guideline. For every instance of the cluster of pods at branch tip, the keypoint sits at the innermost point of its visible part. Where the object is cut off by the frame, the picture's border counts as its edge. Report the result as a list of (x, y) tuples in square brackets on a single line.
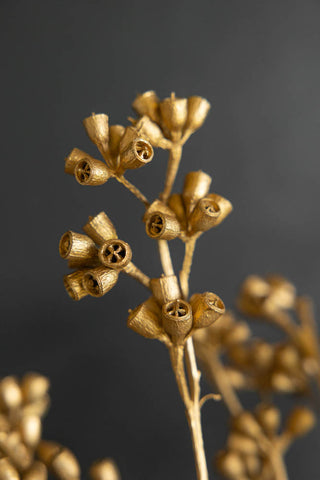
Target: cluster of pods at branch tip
[(254, 438), (167, 317), (99, 256), (190, 213)]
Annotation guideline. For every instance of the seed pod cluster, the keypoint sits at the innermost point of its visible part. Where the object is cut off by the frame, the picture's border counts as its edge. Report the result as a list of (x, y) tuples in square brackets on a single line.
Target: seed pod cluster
[(99, 256)]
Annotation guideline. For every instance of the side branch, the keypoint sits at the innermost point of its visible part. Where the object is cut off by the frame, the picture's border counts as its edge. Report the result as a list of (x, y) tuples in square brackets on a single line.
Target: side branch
[(133, 189)]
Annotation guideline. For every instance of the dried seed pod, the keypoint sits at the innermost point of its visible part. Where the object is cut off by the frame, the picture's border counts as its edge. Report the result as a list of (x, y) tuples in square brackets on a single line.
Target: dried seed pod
[(174, 113), (148, 128), (11, 445), (4, 423), (116, 132), (30, 429), (145, 319), (283, 293), (98, 281), (10, 393), (157, 206), (224, 205), (115, 254), (77, 248), (37, 407), (135, 151), (176, 204), (253, 292), (204, 216), (100, 228), (165, 288), (47, 451), (177, 319), (242, 444), (206, 309), (282, 382), (37, 471), (300, 421), (196, 186), (162, 226), (198, 109), (287, 357), (73, 285), (240, 355), (239, 333), (34, 387), (230, 464), (253, 465), (7, 470), (105, 469), (59, 460), (147, 103), (72, 160), (246, 424), (97, 128), (90, 171), (261, 354), (269, 418)]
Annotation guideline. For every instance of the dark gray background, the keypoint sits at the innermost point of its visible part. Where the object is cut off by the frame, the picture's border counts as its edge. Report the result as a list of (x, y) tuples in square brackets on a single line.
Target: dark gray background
[(258, 63)]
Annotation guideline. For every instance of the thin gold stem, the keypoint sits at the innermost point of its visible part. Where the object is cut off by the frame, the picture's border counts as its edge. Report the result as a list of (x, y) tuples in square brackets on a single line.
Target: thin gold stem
[(172, 170), (133, 189), (165, 257), (190, 245), (136, 273)]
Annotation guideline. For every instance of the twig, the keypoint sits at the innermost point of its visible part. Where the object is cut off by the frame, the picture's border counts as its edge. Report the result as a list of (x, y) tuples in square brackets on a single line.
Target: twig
[(133, 189), (165, 257), (136, 273), (172, 170), (190, 245)]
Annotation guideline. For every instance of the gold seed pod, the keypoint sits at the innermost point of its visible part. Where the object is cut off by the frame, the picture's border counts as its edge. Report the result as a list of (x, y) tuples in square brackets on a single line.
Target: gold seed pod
[(135, 151), (176, 204), (253, 292), (165, 288), (11, 445), (287, 357), (283, 293), (7, 470), (282, 382), (239, 355), (148, 128), (204, 216), (4, 423), (34, 386), (77, 248), (224, 205), (177, 319), (174, 113), (10, 393), (47, 451), (30, 430), (246, 424), (147, 103), (72, 160), (37, 407), (73, 285), (253, 466), (262, 354), (105, 469), (37, 471), (239, 333), (98, 281), (196, 186), (198, 109), (116, 132), (300, 421), (145, 319), (100, 228), (97, 128), (230, 464), (157, 206), (90, 171), (65, 465), (242, 444), (115, 254), (162, 226), (206, 308), (269, 418)]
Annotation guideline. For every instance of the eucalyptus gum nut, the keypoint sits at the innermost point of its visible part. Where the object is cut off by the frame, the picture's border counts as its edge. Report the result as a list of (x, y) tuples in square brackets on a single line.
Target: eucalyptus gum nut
[(100, 228)]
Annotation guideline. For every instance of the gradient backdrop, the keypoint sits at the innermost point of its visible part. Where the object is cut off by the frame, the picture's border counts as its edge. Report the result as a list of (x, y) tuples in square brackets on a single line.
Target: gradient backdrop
[(113, 392)]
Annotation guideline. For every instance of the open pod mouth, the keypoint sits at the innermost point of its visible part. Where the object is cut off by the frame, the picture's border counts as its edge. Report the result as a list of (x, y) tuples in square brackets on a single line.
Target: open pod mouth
[(99, 281), (91, 172), (115, 254)]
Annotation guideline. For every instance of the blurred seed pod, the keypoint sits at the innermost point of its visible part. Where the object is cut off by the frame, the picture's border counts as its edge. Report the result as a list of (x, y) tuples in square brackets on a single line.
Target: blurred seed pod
[(253, 293), (59, 460), (269, 418), (73, 159), (73, 285), (135, 151), (240, 355), (283, 293), (19, 454), (37, 407), (90, 171), (147, 128), (7, 470), (242, 444), (246, 424), (261, 354), (239, 333), (47, 451), (253, 466), (115, 254), (4, 423), (196, 186), (97, 128), (207, 307), (162, 226), (230, 464), (147, 103), (165, 288), (100, 228), (105, 469), (198, 109), (30, 429), (177, 319), (116, 132), (224, 205), (237, 378), (176, 204), (37, 471), (145, 319), (174, 113), (300, 421), (10, 393), (282, 382), (34, 386), (287, 357), (77, 248), (204, 216), (98, 281)]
